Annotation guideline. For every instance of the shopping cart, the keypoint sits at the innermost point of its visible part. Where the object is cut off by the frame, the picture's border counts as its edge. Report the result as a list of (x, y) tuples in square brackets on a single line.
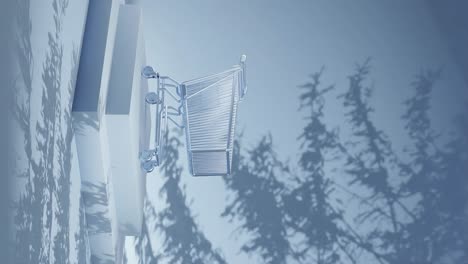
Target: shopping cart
[(208, 108)]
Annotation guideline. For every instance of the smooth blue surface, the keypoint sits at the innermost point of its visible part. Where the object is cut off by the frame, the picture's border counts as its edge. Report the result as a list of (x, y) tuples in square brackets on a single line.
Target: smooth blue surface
[(88, 85), (285, 42)]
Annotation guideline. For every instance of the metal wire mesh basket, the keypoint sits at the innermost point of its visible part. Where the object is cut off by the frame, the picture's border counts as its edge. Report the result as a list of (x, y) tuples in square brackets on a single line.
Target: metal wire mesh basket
[(210, 110), (208, 107)]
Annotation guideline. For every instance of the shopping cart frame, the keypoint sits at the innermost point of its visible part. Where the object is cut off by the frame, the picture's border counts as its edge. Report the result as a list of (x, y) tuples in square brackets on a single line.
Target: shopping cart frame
[(185, 101)]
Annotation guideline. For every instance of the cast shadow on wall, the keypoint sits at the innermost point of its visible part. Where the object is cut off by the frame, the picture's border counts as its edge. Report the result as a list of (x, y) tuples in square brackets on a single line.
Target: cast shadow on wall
[(182, 241), (354, 197), (350, 196), (44, 205)]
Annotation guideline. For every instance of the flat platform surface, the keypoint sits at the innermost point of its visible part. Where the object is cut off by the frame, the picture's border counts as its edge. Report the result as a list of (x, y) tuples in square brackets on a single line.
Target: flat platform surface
[(126, 118)]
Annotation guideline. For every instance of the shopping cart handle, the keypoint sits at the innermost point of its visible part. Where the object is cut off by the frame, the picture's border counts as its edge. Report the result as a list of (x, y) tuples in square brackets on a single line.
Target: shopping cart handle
[(243, 58), (243, 90)]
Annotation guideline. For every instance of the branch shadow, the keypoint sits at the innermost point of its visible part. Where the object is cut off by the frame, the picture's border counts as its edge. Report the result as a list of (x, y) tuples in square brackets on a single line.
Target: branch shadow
[(97, 215), (182, 241), (257, 201), (48, 176)]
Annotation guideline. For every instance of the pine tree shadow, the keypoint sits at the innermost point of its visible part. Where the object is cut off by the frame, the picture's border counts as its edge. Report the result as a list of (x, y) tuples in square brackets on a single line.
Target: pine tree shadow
[(257, 201), (64, 155), (143, 246), (82, 121), (97, 215), (405, 201), (46, 198), (436, 173), (182, 241), (21, 113), (82, 236), (409, 210)]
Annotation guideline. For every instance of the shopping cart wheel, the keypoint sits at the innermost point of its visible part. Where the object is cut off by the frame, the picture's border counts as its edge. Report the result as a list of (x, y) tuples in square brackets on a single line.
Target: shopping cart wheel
[(152, 98), (148, 166), (149, 73), (146, 155)]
